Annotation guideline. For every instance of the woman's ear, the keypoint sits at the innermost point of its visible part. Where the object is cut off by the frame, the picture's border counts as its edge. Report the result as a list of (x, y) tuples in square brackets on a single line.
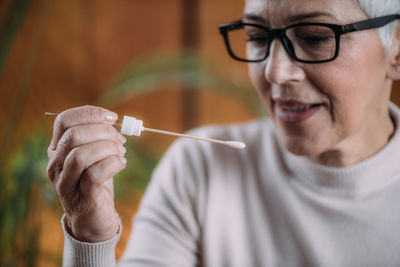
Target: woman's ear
[(394, 69)]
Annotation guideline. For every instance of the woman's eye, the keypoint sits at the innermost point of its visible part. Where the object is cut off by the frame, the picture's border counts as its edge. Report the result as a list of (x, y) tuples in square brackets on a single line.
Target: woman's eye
[(315, 39), (257, 39)]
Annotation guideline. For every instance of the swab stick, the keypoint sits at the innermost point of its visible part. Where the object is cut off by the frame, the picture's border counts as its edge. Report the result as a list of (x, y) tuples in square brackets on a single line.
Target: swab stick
[(132, 126), (234, 144)]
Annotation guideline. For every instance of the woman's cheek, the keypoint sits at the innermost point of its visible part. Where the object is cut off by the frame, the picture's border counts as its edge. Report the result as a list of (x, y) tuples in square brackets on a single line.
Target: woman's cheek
[(255, 75), (257, 78)]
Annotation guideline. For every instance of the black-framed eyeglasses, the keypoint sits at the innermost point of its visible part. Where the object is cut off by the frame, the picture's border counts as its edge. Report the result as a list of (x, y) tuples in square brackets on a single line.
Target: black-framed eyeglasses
[(304, 42)]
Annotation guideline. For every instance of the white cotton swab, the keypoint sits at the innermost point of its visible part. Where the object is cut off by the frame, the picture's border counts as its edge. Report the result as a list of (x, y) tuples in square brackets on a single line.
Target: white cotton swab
[(132, 126)]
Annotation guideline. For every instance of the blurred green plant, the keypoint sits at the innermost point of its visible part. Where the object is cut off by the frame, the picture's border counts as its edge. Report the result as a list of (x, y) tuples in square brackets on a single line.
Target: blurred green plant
[(22, 184), (19, 170)]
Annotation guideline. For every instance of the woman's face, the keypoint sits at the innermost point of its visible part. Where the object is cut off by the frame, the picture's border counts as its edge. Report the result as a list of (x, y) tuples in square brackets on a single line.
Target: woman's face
[(336, 113)]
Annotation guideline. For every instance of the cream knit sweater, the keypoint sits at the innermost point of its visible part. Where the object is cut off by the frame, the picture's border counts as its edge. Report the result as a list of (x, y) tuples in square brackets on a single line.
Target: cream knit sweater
[(211, 205)]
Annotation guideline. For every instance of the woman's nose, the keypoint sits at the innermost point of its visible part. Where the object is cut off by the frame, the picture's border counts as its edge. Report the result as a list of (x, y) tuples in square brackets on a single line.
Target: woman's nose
[(280, 67)]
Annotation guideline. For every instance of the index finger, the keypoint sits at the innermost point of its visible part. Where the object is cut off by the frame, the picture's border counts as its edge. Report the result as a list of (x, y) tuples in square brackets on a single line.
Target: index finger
[(79, 116)]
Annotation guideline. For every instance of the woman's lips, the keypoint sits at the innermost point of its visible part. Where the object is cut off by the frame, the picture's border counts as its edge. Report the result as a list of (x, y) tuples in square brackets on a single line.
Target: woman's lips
[(293, 111)]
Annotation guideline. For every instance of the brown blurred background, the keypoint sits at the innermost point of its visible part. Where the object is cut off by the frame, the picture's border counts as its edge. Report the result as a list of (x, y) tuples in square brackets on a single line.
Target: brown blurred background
[(161, 61)]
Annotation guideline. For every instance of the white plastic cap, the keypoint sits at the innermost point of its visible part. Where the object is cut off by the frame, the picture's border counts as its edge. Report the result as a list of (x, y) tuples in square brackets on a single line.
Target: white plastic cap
[(131, 126)]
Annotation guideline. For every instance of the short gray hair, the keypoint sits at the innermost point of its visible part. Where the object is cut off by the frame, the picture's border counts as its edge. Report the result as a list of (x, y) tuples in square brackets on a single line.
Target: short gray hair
[(377, 8)]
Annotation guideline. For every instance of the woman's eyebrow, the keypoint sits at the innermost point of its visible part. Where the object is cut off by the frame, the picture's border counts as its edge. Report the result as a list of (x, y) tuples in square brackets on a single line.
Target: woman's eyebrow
[(254, 18), (306, 16)]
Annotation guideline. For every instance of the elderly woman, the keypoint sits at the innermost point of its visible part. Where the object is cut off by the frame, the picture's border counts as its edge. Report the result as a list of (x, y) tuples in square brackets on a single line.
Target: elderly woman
[(318, 184)]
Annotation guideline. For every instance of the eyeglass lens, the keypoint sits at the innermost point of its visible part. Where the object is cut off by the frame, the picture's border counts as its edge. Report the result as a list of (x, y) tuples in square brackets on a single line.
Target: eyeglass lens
[(307, 42)]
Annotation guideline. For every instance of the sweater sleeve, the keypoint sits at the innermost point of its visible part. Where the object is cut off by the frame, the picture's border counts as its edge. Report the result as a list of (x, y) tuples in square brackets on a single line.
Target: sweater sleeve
[(78, 253), (166, 229)]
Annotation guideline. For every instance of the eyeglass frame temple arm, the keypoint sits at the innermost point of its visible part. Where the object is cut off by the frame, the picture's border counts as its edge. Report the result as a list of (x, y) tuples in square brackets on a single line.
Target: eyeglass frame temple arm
[(369, 24)]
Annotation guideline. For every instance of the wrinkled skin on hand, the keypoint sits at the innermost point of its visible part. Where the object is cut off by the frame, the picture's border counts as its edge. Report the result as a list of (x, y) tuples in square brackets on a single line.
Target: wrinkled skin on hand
[(85, 152)]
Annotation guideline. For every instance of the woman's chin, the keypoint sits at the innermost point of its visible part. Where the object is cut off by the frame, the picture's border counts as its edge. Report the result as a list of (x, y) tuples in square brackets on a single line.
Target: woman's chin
[(301, 147)]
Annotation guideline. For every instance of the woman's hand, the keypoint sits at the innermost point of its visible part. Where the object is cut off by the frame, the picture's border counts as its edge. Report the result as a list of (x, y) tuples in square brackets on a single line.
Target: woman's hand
[(86, 151)]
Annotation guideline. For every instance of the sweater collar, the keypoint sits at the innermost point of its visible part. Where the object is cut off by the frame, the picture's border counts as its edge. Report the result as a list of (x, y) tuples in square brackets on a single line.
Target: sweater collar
[(354, 181)]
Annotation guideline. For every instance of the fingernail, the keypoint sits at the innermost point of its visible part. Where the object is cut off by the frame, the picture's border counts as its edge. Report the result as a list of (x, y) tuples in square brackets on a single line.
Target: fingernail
[(110, 116), (122, 149), (123, 160), (122, 138)]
